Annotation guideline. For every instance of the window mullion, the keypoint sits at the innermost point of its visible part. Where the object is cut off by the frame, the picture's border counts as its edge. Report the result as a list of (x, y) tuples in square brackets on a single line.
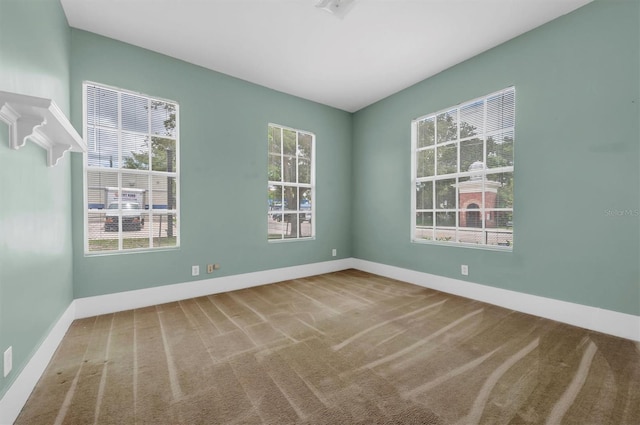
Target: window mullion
[(297, 164), (484, 172)]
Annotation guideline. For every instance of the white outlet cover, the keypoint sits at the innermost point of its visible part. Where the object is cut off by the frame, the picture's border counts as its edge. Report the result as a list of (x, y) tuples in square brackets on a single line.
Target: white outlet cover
[(334, 252), (195, 270), (8, 361), (464, 269)]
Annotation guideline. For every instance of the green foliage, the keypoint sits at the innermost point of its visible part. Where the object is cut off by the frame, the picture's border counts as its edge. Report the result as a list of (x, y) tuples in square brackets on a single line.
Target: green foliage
[(162, 148)]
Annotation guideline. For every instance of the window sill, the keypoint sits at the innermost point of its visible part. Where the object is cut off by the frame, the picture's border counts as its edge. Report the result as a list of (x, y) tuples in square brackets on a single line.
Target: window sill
[(291, 240), (498, 248)]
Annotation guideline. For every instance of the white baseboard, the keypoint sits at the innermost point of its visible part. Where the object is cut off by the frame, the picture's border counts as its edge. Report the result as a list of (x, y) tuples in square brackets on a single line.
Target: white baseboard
[(18, 393), (121, 301), (593, 318)]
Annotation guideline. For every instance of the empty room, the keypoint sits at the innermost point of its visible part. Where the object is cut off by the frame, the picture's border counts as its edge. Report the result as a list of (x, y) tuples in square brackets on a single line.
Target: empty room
[(320, 212)]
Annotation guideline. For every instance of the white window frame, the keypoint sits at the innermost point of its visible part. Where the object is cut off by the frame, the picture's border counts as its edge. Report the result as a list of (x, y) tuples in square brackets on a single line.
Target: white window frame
[(150, 173), (429, 234), (311, 186)]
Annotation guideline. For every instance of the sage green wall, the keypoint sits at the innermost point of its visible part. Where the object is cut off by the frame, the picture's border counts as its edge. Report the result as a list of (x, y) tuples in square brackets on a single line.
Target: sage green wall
[(35, 200), (223, 129), (576, 153)]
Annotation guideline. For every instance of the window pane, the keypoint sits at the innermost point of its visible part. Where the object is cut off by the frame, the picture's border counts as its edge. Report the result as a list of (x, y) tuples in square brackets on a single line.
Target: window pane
[(472, 119), (500, 150), (275, 168), (158, 196), (424, 226), (501, 111), (100, 236), (164, 229), (276, 226), (290, 143), (470, 234), (446, 194), (470, 152), (424, 195), (499, 237), (447, 126), (304, 225), (135, 151), (163, 118), (471, 216), (304, 197), (304, 158), (425, 163), (135, 113), (426, 132), (135, 242), (501, 186), (445, 219), (105, 152), (163, 154), (289, 164), (445, 235), (503, 220), (135, 188), (424, 219), (275, 139), (275, 197), (447, 159), (102, 107), (167, 194), (291, 226), (470, 192), (290, 198), (98, 185), (91, 139), (304, 171), (104, 216)]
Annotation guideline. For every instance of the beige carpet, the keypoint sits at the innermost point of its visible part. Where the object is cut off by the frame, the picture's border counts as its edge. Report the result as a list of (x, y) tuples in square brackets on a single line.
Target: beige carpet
[(341, 348)]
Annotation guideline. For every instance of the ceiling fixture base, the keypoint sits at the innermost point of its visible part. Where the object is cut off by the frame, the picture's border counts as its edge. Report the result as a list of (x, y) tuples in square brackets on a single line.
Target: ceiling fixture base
[(337, 8)]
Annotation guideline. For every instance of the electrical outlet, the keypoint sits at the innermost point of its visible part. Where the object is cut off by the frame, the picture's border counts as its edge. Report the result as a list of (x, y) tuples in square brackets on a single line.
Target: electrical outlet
[(195, 270), (8, 361), (464, 269), (334, 252), (216, 266), (209, 268)]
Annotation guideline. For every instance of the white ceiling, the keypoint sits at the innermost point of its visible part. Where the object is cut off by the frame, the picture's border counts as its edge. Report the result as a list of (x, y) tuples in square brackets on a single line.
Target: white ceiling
[(377, 49)]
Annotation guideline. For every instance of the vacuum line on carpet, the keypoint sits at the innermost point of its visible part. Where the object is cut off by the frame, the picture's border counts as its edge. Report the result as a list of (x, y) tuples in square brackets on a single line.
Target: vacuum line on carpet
[(570, 394), (381, 324), (483, 395), (421, 342)]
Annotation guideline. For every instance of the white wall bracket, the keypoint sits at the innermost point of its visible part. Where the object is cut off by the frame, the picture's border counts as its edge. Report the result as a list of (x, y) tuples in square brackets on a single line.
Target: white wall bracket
[(40, 120)]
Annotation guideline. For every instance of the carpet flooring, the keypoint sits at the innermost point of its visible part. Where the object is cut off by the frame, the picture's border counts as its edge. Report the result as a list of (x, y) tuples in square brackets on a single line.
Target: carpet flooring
[(341, 348)]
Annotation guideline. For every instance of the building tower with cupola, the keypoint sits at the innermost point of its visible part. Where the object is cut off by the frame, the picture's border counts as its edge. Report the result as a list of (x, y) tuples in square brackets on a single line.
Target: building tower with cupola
[(471, 194)]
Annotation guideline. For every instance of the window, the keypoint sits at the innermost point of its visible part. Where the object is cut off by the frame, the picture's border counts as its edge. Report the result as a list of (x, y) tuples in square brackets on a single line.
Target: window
[(462, 173), (291, 184), (131, 171)]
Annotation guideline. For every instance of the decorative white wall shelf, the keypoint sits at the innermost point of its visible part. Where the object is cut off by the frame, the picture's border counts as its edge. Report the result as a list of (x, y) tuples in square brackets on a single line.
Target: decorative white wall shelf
[(42, 121)]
